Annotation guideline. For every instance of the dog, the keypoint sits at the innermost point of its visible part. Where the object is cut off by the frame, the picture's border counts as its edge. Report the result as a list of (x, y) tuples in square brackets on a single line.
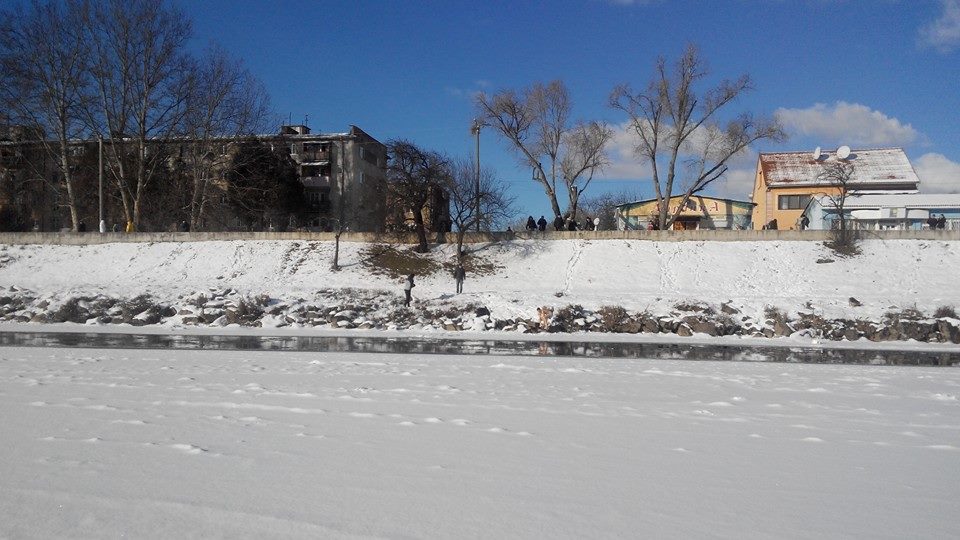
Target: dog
[(544, 314)]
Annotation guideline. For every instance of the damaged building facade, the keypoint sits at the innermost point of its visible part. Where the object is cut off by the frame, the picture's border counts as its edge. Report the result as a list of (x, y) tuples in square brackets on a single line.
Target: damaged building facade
[(340, 182)]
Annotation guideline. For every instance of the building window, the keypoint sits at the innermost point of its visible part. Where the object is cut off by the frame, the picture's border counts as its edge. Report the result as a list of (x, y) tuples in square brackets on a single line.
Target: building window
[(792, 202)]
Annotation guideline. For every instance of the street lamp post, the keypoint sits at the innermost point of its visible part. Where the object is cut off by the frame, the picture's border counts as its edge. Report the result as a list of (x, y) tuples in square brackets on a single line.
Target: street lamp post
[(475, 129), (103, 224)]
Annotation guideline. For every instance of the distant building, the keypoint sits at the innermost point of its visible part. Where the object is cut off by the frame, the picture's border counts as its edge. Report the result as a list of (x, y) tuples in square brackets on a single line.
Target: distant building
[(324, 161), (435, 214), (886, 211), (699, 213), (331, 167), (786, 182)]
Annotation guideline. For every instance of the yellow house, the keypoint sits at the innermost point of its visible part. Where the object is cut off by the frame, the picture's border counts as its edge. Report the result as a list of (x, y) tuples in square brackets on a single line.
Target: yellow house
[(698, 213), (786, 181)]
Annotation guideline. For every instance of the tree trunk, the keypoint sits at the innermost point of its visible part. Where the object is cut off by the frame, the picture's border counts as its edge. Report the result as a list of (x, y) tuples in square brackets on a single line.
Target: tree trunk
[(421, 230), (68, 181)]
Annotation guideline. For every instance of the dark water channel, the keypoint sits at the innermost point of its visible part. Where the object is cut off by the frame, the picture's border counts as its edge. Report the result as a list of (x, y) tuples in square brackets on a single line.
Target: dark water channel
[(419, 345)]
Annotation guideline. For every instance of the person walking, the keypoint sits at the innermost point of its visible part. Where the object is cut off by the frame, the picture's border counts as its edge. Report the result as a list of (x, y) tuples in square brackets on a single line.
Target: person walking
[(408, 289), (942, 222), (531, 224), (542, 224), (558, 223), (459, 274)]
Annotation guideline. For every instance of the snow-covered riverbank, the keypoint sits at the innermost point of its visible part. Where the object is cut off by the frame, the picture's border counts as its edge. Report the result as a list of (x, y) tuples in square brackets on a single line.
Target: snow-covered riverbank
[(742, 288)]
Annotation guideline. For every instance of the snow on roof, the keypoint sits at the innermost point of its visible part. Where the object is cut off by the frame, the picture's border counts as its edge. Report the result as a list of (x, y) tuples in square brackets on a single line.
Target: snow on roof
[(903, 200), (871, 166)]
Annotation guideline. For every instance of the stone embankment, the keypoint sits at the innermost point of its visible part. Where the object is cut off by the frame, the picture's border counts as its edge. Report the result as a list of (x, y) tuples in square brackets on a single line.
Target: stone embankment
[(362, 309)]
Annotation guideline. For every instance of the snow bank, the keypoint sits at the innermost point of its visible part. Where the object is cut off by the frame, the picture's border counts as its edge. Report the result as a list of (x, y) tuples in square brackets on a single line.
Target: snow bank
[(752, 278)]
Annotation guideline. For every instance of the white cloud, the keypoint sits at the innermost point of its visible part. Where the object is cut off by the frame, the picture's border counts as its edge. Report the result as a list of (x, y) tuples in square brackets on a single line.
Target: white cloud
[(847, 123), (937, 174), (943, 34)]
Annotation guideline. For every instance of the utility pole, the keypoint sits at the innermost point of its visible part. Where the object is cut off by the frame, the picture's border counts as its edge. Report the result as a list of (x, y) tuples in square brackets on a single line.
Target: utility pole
[(103, 224), (475, 129)]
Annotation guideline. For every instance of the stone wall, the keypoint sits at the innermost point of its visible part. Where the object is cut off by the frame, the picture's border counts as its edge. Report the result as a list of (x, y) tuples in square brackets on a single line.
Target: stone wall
[(90, 238)]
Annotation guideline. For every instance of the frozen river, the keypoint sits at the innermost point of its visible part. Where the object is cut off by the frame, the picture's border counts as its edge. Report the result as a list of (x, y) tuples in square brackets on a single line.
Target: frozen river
[(252, 444), (558, 345)]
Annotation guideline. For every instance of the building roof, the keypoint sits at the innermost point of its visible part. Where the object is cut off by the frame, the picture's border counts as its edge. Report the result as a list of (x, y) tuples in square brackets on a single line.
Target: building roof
[(884, 166), (903, 200), (678, 197)]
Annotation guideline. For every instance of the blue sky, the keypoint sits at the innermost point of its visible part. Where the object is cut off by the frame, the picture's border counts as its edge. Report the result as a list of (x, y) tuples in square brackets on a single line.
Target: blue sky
[(863, 73)]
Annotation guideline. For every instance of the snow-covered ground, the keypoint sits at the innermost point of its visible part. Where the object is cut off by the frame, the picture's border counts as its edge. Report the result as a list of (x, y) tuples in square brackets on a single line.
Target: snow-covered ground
[(635, 274), (176, 444)]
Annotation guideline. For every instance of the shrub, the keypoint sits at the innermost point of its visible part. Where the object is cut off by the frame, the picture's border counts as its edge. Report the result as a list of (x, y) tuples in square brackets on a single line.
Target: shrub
[(945, 311), (613, 318)]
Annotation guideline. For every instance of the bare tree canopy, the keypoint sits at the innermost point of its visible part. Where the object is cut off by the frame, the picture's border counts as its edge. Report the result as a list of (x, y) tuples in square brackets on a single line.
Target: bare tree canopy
[(413, 176), (44, 79), (536, 122), (679, 133), (223, 100), (495, 203), (838, 175), (604, 206), (140, 70)]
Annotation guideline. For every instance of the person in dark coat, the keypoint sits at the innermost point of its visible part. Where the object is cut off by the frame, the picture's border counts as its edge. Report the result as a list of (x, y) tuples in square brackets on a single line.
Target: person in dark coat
[(81, 227), (804, 222), (571, 224), (932, 221), (942, 222), (408, 289), (542, 224), (558, 223), (459, 274), (531, 224)]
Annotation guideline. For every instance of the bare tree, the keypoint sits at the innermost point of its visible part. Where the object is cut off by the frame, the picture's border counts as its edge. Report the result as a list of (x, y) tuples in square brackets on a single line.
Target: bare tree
[(224, 101), (139, 71), (604, 206), (837, 174), (43, 57), (676, 125), (413, 176), (494, 202), (536, 122)]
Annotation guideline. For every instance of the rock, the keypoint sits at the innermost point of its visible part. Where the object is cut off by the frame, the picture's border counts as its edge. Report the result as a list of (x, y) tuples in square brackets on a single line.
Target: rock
[(728, 309), (44, 304), (704, 327), (632, 327), (650, 326), (4, 300), (450, 327), (948, 332), (190, 320), (168, 311), (824, 261), (481, 311), (184, 312), (781, 328), (851, 334), (854, 302), (684, 330)]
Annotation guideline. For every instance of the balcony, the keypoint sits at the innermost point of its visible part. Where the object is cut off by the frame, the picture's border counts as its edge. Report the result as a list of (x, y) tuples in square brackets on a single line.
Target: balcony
[(315, 181)]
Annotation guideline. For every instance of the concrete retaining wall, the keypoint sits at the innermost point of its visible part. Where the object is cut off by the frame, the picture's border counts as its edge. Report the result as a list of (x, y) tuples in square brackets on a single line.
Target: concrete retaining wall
[(89, 238)]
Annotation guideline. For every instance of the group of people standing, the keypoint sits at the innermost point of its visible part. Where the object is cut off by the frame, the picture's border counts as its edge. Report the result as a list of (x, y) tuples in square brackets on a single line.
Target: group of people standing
[(563, 224), (935, 222)]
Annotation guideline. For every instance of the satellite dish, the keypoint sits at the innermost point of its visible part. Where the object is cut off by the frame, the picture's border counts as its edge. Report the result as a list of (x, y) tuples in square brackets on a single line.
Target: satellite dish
[(843, 152), (817, 153)]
